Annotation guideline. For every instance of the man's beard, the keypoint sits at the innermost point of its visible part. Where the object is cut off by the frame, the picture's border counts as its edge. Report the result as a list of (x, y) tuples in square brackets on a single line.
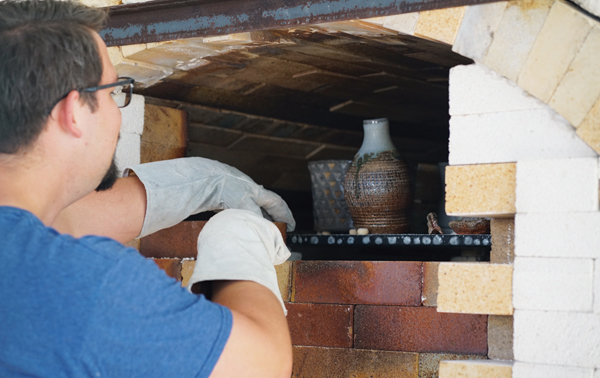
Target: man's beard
[(109, 178)]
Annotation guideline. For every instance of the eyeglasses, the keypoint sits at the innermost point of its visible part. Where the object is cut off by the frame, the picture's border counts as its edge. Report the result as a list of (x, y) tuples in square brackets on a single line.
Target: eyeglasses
[(122, 92)]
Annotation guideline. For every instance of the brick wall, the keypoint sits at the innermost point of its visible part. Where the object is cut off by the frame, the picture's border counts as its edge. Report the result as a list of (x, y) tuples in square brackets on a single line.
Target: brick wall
[(514, 155), (516, 129), (358, 318)]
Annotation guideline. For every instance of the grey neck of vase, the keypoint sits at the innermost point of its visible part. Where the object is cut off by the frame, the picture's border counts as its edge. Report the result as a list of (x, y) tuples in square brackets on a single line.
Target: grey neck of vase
[(377, 138)]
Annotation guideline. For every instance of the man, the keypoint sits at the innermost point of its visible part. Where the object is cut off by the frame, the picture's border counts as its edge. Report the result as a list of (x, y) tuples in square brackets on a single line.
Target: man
[(88, 306)]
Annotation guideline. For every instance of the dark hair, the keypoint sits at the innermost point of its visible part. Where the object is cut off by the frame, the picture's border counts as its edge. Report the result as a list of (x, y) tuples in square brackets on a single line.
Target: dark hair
[(47, 49)]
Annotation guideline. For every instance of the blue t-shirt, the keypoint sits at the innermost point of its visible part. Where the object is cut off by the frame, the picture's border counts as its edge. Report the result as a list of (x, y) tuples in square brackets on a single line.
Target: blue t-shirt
[(91, 307)]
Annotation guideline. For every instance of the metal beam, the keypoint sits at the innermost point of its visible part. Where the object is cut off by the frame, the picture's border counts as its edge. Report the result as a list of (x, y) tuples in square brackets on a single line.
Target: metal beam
[(166, 20)]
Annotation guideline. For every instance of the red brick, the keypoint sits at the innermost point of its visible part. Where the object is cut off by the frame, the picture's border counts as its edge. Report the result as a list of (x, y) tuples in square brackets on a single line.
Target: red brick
[(314, 362), (419, 329), (179, 241), (171, 266), (358, 282), (320, 324)]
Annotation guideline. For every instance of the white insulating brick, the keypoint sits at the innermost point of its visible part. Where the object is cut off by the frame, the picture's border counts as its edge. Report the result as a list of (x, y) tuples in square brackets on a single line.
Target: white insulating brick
[(402, 23), (557, 185), (128, 150), (597, 373), (475, 89), (513, 136), (556, 45), (557, 338), (145, 74), (570, 235), (580, 88), (554, 284), (592, 6), (515, 36), (477, 29), (132, 116), (597, 286), (525, 370)]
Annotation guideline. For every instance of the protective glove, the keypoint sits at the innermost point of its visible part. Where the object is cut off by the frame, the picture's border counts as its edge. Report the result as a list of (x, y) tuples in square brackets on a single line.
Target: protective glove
[(240, 245), (176, 189)]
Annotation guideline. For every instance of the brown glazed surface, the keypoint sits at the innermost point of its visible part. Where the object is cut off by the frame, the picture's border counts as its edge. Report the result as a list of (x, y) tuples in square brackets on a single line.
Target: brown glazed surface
[(470, 226), (378, 193)]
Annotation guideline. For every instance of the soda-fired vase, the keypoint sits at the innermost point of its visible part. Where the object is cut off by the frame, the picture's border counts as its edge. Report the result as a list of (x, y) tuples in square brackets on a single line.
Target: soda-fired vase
[(377, 186)]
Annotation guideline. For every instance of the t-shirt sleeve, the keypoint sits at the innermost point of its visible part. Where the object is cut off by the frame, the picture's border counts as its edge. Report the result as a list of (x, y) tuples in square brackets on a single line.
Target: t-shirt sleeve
[(147, 325)]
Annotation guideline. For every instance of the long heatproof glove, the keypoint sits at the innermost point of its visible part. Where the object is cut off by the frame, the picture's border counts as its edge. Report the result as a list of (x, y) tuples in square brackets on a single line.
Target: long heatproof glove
[(178, 188), (240, 245)]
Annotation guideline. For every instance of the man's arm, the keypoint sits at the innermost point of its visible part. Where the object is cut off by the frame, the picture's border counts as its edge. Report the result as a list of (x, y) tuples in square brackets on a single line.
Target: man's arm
[(237, 251), (177, 188), (259, 344), (117, 213)]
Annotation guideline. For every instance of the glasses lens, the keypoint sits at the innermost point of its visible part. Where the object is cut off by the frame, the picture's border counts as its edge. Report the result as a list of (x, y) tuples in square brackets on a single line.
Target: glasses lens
[(122, 95)]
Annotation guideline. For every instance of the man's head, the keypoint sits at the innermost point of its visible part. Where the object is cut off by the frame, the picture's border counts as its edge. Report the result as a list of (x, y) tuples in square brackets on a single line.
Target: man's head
[(48, 49)]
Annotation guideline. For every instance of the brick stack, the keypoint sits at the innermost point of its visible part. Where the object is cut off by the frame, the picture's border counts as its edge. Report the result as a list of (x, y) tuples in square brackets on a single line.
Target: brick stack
[(517, 152), (351, 318), (359, 318)]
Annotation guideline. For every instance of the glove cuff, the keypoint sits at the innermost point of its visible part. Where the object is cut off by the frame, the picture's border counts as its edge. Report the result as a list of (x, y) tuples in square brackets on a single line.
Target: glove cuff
[(240, 245), (176, 189), (268, 280)]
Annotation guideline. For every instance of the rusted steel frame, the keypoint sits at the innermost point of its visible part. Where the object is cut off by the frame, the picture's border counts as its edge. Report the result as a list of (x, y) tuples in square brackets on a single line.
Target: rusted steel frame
[(166, 20)]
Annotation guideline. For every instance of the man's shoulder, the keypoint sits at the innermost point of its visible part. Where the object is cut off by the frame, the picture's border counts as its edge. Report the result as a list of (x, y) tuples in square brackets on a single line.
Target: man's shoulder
[(21, 231)]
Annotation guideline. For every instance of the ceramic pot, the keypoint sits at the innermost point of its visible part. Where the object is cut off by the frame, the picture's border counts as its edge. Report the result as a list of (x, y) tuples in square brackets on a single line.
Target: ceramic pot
[(329, 205), (377, 186)]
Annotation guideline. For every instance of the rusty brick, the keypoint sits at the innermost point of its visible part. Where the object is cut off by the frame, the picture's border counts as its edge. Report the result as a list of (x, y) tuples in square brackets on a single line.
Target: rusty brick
[(320, 324), (419, 329), (179, 241), (315, 362), (429, 363), (358, 282), (430, 283), (171, 266)]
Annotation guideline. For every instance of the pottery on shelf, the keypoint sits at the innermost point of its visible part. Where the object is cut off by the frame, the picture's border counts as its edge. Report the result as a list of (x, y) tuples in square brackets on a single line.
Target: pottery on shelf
[(470, 226), (377, 186), (330, 211)]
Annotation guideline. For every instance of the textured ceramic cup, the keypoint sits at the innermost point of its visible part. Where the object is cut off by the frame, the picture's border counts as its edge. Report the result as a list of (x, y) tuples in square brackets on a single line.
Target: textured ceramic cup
[(330, 211)]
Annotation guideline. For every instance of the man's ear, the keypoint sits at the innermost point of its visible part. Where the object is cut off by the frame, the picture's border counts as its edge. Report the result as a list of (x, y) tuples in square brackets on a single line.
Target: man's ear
[(68, 114)]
